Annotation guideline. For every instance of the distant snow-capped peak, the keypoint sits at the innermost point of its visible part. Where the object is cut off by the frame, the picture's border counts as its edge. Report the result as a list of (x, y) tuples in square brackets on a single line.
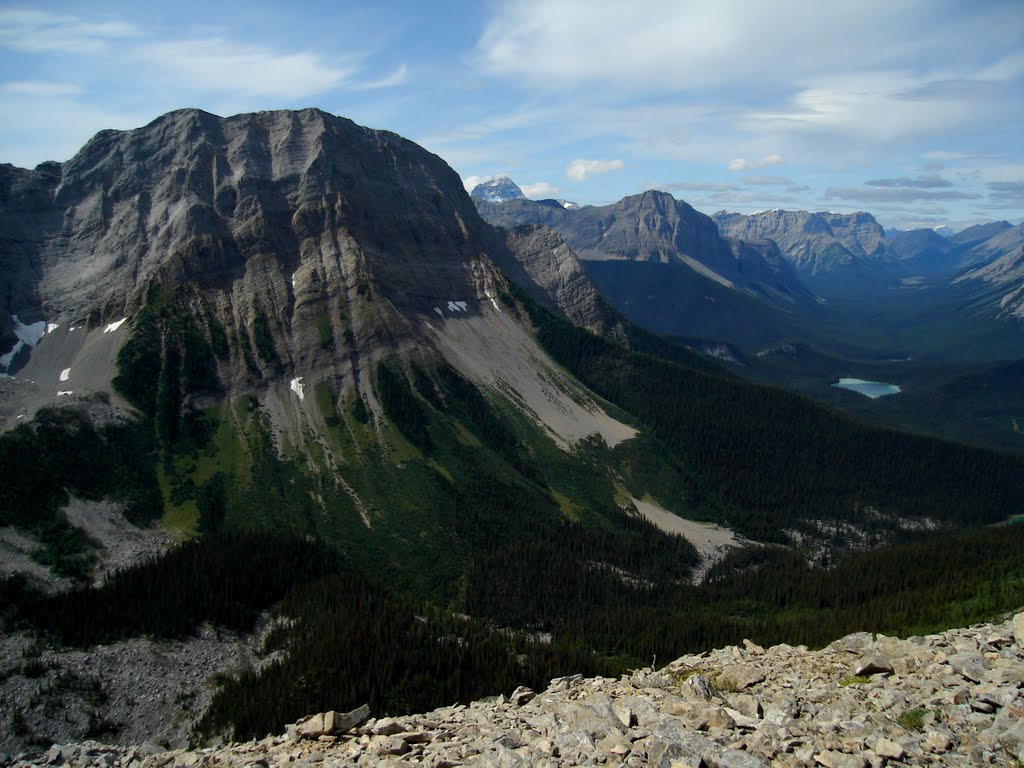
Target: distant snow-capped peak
[(499, 190)]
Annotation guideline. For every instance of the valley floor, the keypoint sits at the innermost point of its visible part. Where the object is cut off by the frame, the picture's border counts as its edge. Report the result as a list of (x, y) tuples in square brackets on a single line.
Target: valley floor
[(953, 698)]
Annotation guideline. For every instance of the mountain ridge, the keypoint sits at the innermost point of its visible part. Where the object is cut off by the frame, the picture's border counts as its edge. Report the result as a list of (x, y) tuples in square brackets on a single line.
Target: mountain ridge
[(655, 227)]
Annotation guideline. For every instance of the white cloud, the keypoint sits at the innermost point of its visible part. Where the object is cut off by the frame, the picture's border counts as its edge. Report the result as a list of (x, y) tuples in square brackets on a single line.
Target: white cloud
[(896, 194), (579, 170), (540, 189), (397, 77), (666, 45), (742, 164), (472, 182), (31, 31), (768, 181), (927, 181), (39, 88), (886, 108), (220, 65)]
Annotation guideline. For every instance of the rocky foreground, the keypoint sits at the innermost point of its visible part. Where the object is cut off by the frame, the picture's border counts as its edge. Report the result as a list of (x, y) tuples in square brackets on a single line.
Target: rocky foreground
[(952, 699)]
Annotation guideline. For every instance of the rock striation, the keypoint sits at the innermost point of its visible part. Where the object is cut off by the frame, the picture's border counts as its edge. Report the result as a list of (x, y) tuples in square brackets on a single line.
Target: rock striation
[(833, 252), (305, 248), (953, 698), (1003, 273)]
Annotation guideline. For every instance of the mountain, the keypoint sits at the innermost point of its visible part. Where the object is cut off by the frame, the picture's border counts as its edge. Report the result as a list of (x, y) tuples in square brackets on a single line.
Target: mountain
[(1004, 241), (293, 344), (499, 190), (979, 233), (834, 253), (926, 252), (653, 227), (1005, 276)]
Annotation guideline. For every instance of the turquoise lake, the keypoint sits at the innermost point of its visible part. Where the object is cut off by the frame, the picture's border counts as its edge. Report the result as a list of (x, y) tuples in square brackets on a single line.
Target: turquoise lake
[(870, 389)]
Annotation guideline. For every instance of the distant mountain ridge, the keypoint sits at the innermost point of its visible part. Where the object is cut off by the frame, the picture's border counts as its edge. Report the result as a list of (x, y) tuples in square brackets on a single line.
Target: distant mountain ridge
[(655, 227), (832, 252), (1005, 272)]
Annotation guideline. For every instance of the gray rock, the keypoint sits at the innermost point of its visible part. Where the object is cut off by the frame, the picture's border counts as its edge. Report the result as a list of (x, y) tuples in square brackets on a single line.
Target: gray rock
[(937, 742), (522, 695), (741, 676), (387, 726), (873, 665), (833, 759), (889, 749), (970, 666)]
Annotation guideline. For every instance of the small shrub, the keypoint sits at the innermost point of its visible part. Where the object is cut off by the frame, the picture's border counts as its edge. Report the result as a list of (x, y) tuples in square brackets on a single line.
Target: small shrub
[(855, 680), (722, 683), (912, 719)]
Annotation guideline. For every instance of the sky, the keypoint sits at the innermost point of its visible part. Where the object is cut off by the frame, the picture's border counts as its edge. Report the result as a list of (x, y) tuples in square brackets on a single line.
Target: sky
[(909, 109)]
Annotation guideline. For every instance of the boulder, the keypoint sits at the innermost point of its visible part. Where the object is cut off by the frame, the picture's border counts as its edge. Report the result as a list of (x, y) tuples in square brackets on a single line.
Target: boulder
[(873, 665)]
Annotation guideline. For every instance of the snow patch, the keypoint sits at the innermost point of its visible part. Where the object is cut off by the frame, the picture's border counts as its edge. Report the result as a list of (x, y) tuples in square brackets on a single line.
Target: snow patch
[(439, 312), (114, 326), (65, 374), (487, 293), (29, 334), (457, 306), (293, 281), (51, 327), (297, 386), (72, 328), (60, 393)]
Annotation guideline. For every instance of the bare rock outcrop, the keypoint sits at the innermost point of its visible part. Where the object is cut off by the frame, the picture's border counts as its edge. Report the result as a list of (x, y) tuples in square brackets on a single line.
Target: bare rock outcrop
[(952, 699)]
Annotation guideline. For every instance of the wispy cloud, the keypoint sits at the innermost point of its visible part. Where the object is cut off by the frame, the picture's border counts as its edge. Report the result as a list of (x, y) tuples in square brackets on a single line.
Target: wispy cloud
[(930, 181), (221, 65), (767, 181), (32, 31), (897, 194), (700, 186), (39, 88), (742, 164), (398, 77), (579, 170), (1009, 192), (540, 189)]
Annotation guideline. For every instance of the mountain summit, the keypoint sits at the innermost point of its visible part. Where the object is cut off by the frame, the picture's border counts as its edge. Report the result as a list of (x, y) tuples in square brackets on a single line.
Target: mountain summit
[(499, 190)]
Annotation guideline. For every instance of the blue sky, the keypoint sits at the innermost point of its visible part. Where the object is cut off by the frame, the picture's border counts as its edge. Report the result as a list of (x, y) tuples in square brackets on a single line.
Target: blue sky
[(910, 109)]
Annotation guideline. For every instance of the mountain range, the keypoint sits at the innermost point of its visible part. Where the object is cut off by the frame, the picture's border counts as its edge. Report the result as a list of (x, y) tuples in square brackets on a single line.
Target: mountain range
[(299, 345)]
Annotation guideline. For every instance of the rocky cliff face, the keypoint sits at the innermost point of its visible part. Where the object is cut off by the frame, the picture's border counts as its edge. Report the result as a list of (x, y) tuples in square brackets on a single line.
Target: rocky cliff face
[(1004, 275), (290, 213), (554, 276), (951, 699), (821, 245), (655, 227), (307, 247)]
